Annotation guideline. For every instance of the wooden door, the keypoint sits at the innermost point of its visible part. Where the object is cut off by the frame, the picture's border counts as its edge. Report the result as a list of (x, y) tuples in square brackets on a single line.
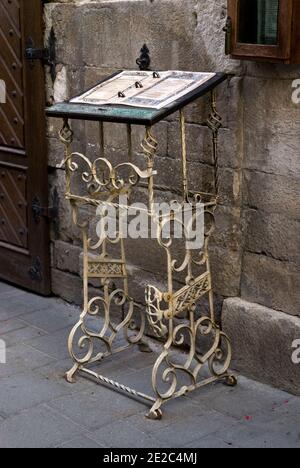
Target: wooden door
[(24, 236)]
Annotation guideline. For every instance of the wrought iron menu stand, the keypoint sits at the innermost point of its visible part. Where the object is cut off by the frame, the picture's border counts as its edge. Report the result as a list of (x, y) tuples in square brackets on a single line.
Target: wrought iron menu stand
[(172, 313)]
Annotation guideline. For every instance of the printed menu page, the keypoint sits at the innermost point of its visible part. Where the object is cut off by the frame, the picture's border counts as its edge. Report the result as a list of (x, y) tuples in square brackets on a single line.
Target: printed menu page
[(155, 90)]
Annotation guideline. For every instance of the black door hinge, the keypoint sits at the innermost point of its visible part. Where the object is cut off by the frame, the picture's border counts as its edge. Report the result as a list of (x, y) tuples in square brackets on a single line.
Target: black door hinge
[(48, 212), (45, 55), (228, 38), (35, 271)]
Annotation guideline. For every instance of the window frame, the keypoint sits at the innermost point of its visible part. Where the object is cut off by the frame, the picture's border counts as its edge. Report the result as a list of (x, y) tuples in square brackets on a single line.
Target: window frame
[(279, 52)]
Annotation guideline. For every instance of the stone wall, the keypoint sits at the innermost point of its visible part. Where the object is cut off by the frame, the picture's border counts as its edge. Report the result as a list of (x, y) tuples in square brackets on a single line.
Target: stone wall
[(255, 251)]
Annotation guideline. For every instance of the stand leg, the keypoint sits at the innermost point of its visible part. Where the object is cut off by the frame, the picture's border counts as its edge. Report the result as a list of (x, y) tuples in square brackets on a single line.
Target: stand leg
[(70, 375), (144, 347), (231, 381), (155, 412), (85, 344)]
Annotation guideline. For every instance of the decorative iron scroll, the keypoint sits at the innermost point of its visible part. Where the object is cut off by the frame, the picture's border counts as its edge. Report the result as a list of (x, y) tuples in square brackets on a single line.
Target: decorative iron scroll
[(106, 269), (188, 296)]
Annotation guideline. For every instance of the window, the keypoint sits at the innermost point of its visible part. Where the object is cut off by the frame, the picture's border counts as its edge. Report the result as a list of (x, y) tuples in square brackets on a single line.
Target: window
[(258, 22), (264, 30)]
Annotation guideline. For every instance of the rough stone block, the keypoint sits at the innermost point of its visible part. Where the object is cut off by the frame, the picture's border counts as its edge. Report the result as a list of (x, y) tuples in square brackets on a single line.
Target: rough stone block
[(170, 46), (229, 105), (271, 126), (67, 286), (226, 271), (262, 341), (66, 257), (272, 193), (272, 283), (228, 232), (199, 145), (116, 141), (68, 39), (55, 152), (274, 235), (67, 231)]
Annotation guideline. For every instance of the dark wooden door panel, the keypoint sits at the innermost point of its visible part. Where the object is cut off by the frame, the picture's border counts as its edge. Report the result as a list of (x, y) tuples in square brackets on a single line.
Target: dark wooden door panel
[(13, 8), (10, 32), (11, 71), (24, 239), (14, 94), (13, 206)]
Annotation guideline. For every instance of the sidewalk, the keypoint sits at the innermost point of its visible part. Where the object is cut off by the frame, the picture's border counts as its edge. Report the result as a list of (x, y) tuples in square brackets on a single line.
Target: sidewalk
[(38, 408)]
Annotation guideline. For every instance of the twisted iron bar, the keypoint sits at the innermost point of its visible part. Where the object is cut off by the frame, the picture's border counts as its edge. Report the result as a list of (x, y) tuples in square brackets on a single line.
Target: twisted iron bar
[(214, 122), (117, 385), (149, 146)]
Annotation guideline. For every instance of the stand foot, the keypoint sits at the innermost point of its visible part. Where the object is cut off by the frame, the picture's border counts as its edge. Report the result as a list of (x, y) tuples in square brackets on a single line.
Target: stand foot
[(154, 415), (70, 376), (155, 412), (144, 348), (231, 381)]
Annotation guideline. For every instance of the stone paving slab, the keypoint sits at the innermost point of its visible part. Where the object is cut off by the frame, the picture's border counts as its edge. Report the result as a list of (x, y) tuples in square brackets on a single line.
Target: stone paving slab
[(21, 358), (248, 400), (23, 335), (122, 434), (27, 390), (97, 407), (83, 441), (195, 427), (35, 395), (37, 427), (62, 316), (54, 345), (271, 435), (210, 442), (20, 304), (12, 325), (7, 288)]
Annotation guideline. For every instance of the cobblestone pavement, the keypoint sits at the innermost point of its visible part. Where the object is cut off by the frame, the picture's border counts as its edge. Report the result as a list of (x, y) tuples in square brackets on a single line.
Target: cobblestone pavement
[(38, 408)]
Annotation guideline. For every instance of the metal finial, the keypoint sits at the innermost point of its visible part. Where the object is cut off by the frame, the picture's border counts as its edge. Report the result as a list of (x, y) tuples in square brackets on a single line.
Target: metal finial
[(144, 61)]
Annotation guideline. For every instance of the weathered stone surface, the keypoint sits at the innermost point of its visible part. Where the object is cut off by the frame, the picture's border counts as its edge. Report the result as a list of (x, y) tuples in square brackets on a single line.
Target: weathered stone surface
[(67, 286), (66, 257), (199, 145), (228, 232), (274, 235), (272, 193), (116, 141), (262, 343), (271, 126), (226, 270), (67, 231), (229, 105), (55, 152), (272, 283)]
